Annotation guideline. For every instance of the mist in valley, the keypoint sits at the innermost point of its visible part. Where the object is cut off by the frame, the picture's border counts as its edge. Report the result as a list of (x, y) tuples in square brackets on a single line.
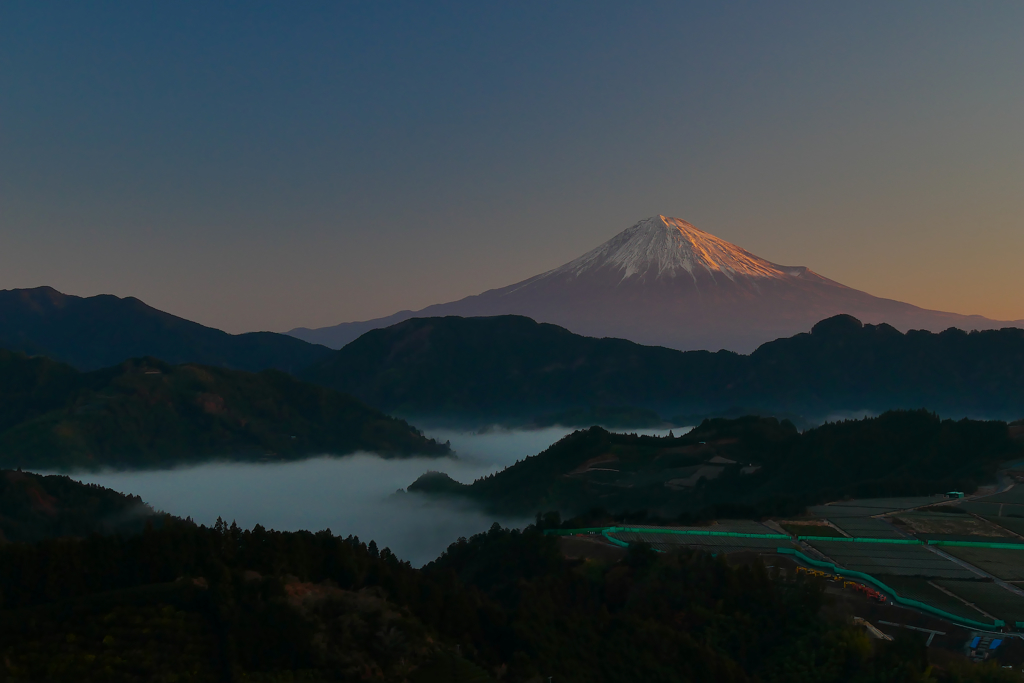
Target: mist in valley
[(360, 494)]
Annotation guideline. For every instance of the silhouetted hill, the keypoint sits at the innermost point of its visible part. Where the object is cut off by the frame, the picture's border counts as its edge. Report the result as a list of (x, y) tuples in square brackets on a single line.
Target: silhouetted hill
[(35, 507), (748, 466), (147, 413), (510, 367), (100, 331)]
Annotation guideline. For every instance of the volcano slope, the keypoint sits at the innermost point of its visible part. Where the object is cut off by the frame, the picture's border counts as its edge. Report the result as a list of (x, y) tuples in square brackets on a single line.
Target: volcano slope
[(664, 282)]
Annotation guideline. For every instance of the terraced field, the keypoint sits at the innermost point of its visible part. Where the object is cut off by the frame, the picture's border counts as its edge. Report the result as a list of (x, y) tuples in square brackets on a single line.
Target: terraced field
[(811, 530), (989, 597), (1012, 524), (720, 548), (866, 527), (837, 511), (1005, 564), (927, 592), (1014, 496), (987, 508), (713, 544), (950, 526), (866, 507), (883, 559), (910, 567), (734, 526), (856, 517)]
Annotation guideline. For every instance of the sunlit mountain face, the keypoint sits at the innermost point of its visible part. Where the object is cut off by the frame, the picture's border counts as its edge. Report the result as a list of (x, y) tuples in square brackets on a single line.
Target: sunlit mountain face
[(664, 282), (664, 247)]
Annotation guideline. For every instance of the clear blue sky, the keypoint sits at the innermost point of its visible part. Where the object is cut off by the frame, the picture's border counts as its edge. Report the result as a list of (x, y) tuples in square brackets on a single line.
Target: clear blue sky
[(267, 165)]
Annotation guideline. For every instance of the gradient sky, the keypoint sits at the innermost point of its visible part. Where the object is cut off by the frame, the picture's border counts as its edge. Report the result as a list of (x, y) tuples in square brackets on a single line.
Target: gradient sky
[(268, 165)]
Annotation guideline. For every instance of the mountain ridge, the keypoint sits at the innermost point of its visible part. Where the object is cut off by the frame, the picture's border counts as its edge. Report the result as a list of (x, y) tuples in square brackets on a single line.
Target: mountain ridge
[(511, 369), (664, 282), (90, 333)]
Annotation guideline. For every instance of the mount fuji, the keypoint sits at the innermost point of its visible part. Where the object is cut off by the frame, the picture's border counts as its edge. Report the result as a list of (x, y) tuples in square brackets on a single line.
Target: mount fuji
[(664, 282)]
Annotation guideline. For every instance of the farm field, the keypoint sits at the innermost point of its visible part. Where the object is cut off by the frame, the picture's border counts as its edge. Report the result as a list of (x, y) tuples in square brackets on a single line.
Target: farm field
[(811, 529), (985, 508), (1011, 524), (721, 548), (857, 517), (833, 512), (1007, 565), (1014, 496), (948, 525), (867, 527), (866, 507), (712, 544), (926, 592), (989, 597), (909, 566), (880, 559), (733, 526)]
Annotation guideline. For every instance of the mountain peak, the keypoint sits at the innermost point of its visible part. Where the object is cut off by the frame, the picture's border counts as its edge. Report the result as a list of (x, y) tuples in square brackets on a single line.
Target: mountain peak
[(664, 282), (662, 246)]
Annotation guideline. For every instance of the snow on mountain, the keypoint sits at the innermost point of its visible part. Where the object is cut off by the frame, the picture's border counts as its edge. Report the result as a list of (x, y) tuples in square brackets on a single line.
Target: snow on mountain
[(666, 247), (664, 282)]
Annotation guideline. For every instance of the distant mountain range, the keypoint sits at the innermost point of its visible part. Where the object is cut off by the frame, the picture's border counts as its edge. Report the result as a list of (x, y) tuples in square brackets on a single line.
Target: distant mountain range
[(510, 368), (99, 331), (513, 370), (663, 282), (145, 413)]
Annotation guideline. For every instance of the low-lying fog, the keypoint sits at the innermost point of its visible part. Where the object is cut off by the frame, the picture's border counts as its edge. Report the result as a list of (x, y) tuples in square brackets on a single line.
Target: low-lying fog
[(349, 495)]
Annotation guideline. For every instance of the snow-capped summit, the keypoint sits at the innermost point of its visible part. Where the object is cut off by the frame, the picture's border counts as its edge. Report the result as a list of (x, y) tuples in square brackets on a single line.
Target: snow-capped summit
[(670, 247), (664, 282), (667, 257)]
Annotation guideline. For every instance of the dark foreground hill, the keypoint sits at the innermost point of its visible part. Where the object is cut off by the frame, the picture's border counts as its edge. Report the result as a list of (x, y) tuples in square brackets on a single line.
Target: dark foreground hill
[(147, 413), (100, 331), (188, 603), (745, 467), (512, 368)]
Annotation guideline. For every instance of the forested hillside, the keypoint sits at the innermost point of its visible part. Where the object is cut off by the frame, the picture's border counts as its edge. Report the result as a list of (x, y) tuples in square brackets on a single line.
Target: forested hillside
[(744, 467), (223, 604), (35, 507), (509, 368), (147, 413)]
